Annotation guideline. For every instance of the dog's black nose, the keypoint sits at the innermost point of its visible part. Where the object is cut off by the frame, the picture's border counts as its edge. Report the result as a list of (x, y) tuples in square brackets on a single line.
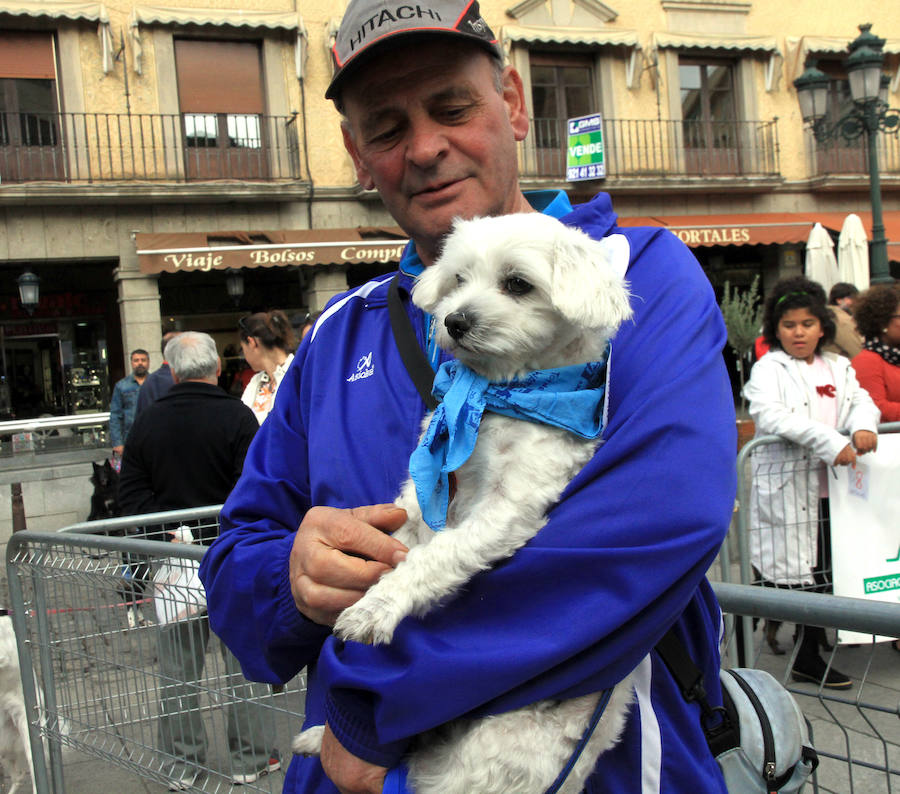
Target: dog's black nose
[(457, 324)]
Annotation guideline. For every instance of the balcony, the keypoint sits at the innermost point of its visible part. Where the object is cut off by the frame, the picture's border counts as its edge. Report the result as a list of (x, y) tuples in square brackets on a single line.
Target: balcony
[(653, 152), (89, 148), (837, 163)]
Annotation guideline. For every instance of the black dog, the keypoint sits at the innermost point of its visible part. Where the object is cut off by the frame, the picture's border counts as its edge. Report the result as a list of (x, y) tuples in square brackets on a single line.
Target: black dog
[(104, 500)]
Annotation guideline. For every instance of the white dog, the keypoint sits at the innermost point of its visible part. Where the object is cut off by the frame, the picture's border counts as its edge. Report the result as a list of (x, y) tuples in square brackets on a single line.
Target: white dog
[(15, 746), (510, 295)]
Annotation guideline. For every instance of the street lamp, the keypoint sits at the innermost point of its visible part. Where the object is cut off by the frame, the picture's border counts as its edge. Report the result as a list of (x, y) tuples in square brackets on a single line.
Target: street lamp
[(29, 291), (869, 115), (234, 283)]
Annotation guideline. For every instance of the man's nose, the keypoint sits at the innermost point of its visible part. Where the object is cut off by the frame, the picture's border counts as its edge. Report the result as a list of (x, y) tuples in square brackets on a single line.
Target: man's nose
[(427, 144)]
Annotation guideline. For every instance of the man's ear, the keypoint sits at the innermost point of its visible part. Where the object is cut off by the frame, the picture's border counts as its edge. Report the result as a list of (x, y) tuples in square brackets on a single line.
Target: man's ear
[(362, 173), (514, 97), (174, 374)]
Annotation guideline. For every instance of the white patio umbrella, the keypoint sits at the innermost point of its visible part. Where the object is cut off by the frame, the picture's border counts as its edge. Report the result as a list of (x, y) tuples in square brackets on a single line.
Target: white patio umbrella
[(853, 253), (821, 264)]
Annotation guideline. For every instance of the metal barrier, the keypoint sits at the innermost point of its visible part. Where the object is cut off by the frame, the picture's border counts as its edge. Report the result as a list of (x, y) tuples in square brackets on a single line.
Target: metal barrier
[(160, 698), (100, 689)]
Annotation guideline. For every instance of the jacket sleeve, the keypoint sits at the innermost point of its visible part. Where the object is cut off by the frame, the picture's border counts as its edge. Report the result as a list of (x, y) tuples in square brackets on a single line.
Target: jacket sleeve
[(116, 418), (870, 371), (773, 415), (136, 494), (620, 558)]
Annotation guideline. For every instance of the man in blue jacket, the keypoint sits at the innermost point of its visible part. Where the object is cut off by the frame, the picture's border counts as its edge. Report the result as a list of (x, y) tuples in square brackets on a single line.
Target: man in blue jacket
[(123, 404), (432, 122)]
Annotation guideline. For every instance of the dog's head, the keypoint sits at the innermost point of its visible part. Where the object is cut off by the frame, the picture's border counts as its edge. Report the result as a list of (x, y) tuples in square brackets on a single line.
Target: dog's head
[(522, 292)]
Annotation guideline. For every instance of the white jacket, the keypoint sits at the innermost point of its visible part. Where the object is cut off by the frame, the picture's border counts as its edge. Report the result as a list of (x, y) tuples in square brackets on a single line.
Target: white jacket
[(249, 395), (784, 504)]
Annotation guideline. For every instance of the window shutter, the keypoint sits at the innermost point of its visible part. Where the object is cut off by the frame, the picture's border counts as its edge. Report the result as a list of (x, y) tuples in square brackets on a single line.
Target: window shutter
[(218, 76)]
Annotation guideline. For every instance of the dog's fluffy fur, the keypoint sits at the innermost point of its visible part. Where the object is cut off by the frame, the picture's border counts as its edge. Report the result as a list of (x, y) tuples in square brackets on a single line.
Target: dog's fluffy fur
[(535, 294), (15, 745)]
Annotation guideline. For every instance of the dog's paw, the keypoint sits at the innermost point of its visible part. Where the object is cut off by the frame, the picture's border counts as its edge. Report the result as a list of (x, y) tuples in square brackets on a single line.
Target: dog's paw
[(309, 742), (368, 621)]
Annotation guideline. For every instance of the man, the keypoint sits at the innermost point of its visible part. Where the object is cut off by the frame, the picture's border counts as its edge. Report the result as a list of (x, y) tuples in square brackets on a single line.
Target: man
[(432, 121), (124, 400), (187, 450), (160, 380), (847, 340)]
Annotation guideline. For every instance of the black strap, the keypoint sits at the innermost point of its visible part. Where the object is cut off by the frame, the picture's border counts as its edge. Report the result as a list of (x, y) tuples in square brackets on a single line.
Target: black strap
[(720, 724), (414, 359)]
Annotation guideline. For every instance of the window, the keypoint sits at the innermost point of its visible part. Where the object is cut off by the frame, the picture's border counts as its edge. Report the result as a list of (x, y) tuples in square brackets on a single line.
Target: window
[(561, 88), (709, 118), (221, 99), (839, 156), (29, 123)]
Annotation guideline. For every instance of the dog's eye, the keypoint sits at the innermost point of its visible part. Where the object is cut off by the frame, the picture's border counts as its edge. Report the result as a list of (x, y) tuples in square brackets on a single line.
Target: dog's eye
[(517, 286), (459, 280)]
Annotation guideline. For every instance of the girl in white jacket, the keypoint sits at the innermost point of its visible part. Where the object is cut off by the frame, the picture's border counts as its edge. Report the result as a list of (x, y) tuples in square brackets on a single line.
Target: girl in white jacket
[(806, 397)]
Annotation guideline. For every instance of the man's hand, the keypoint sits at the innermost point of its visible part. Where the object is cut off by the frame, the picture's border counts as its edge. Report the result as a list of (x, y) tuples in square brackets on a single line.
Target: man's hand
[(338, 554), (865, 441), (350, 774)]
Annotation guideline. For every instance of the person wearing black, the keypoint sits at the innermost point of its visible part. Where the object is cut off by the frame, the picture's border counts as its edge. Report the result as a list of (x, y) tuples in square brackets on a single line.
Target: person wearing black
[(187, 450)]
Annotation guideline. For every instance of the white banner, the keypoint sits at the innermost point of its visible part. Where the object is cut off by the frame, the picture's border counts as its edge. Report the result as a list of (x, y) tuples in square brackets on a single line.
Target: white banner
[(865, 528)]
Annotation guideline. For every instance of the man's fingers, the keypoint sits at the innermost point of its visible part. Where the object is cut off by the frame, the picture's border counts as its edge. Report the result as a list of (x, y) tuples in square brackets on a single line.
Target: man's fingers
[(351, 531)]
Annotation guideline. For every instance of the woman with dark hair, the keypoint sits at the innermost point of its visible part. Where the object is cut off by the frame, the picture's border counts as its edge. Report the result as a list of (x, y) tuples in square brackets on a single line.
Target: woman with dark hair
[(877, 365), (268, 343), (807, 397)]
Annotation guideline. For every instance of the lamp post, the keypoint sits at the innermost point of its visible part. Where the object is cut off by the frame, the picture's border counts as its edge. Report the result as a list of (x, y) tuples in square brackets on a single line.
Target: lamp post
[(869, 116), (234, 283)]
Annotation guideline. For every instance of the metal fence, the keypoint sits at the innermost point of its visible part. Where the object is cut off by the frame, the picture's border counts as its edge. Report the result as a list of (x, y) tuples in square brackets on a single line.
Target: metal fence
[(658, 148), (156, 696), (110, 147), (104, 689)]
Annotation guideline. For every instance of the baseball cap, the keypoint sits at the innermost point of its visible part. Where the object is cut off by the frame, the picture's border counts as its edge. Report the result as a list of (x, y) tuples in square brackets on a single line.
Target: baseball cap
[(370, 23)]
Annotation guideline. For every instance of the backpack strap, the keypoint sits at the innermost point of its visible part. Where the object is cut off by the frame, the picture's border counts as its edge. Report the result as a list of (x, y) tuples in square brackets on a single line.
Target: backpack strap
[(414, 359), (720, 724)]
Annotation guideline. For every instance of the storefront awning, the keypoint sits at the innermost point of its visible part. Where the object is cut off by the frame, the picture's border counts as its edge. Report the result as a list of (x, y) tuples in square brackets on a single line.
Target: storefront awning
[(600, 37), (699, 231), (715, 41), (200, 252)]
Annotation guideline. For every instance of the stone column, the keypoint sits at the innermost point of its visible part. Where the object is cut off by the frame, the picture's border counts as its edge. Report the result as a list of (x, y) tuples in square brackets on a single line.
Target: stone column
[(139, 309), (323, 285)]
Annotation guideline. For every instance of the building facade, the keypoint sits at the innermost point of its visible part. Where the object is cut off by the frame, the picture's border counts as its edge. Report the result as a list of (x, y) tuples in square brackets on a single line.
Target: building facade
[(178, 166)]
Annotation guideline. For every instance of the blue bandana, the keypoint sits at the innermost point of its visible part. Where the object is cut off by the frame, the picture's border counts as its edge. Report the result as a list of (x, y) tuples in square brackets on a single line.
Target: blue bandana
[(569, 397)]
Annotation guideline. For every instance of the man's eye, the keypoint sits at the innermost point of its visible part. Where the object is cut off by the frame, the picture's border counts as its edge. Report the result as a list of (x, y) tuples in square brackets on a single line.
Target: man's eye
[(517, 286)]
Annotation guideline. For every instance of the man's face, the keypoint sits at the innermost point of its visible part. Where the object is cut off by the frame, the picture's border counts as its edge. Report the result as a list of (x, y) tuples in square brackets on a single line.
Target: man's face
[(139, 364), (428, 127)]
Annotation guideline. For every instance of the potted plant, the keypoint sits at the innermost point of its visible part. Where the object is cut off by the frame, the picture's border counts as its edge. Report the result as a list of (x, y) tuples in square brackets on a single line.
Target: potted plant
[(742, 312)]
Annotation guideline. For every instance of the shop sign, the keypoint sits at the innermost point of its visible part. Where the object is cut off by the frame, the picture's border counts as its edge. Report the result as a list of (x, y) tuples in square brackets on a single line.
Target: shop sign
[(165, 255), (714, 235)]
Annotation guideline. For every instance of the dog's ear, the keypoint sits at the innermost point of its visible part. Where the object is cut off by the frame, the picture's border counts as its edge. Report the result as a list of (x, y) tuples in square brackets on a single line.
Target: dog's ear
[(434, 283), (588, 285)]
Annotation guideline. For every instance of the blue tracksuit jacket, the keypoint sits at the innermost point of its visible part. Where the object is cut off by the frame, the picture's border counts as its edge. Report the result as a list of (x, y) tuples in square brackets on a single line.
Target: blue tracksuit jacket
[(622, 557)]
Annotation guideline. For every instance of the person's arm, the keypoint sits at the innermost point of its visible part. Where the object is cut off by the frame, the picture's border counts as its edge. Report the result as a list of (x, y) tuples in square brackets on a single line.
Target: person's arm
[(620, 558), (136, 494), (116, 420), (871, 371), (773, 415)]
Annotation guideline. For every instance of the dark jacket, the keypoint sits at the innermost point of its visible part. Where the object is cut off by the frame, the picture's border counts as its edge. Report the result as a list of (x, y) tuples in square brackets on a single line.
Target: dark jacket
[(185, 450), (157, 384)]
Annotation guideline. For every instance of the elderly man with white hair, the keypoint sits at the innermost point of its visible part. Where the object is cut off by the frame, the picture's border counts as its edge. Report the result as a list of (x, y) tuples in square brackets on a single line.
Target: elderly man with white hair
[(187, 450)]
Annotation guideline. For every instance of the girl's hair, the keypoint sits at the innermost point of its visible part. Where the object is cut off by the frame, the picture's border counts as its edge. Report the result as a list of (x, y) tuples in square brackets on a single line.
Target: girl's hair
[(873, 309), (797, 292), (272, 329)]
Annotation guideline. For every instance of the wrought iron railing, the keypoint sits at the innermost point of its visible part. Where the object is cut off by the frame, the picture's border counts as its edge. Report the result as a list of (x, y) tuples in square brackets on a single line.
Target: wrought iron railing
[(839, 157), (641, 148), (117, 147)]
